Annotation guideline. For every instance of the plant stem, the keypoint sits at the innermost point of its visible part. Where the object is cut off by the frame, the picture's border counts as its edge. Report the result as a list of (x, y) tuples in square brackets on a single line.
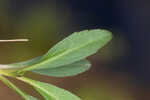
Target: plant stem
[(15, 40)]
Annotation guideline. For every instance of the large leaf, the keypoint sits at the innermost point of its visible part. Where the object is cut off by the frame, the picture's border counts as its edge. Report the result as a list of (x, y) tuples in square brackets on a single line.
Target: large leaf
[(11, 85), (76, 47), (50, 92), (66, 70)]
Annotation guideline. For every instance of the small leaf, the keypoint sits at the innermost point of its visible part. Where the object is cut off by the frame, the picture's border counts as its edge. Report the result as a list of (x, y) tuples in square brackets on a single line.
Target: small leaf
[(66, 70), (76, 47), (50, 92), (19, 91)]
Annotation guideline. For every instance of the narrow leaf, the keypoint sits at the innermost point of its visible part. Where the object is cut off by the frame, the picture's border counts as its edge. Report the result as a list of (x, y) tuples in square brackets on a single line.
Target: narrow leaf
[(20, 65), (25, 63), (66, 70), (12, 69), (50, 92), (76, 47), (11, 85)]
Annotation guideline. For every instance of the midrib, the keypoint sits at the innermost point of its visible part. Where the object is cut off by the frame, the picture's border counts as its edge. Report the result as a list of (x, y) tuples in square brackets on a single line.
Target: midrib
[(54, 58)]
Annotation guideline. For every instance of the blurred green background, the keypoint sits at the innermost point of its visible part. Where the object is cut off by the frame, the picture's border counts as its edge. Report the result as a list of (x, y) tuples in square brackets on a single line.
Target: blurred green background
[(120, 71)]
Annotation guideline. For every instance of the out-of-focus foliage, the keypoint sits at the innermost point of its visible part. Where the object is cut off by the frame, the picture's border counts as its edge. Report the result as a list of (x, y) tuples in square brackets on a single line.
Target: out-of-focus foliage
[(102, 92), (39, 23), (115, 51)]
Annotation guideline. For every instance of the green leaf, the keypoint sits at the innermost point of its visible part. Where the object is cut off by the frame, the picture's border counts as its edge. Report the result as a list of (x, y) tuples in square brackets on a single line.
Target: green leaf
[(66, 70), (20, 65), (50, 92), (11, 85), (12, 69), (25, 63), (76, 47)]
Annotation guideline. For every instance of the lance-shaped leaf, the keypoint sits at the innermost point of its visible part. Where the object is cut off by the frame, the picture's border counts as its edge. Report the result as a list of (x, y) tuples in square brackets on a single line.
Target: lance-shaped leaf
[(50, 92), (66, 70), (19, 91), (76, 47)]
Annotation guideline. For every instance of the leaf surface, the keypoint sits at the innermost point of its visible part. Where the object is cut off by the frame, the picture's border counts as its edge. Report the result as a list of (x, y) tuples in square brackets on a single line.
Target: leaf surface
[(75, 47), (66, 70), (25, 63), (50, 92)]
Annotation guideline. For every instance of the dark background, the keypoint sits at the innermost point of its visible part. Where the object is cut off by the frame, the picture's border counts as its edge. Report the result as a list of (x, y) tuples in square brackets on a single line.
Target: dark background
[(123, 65)]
